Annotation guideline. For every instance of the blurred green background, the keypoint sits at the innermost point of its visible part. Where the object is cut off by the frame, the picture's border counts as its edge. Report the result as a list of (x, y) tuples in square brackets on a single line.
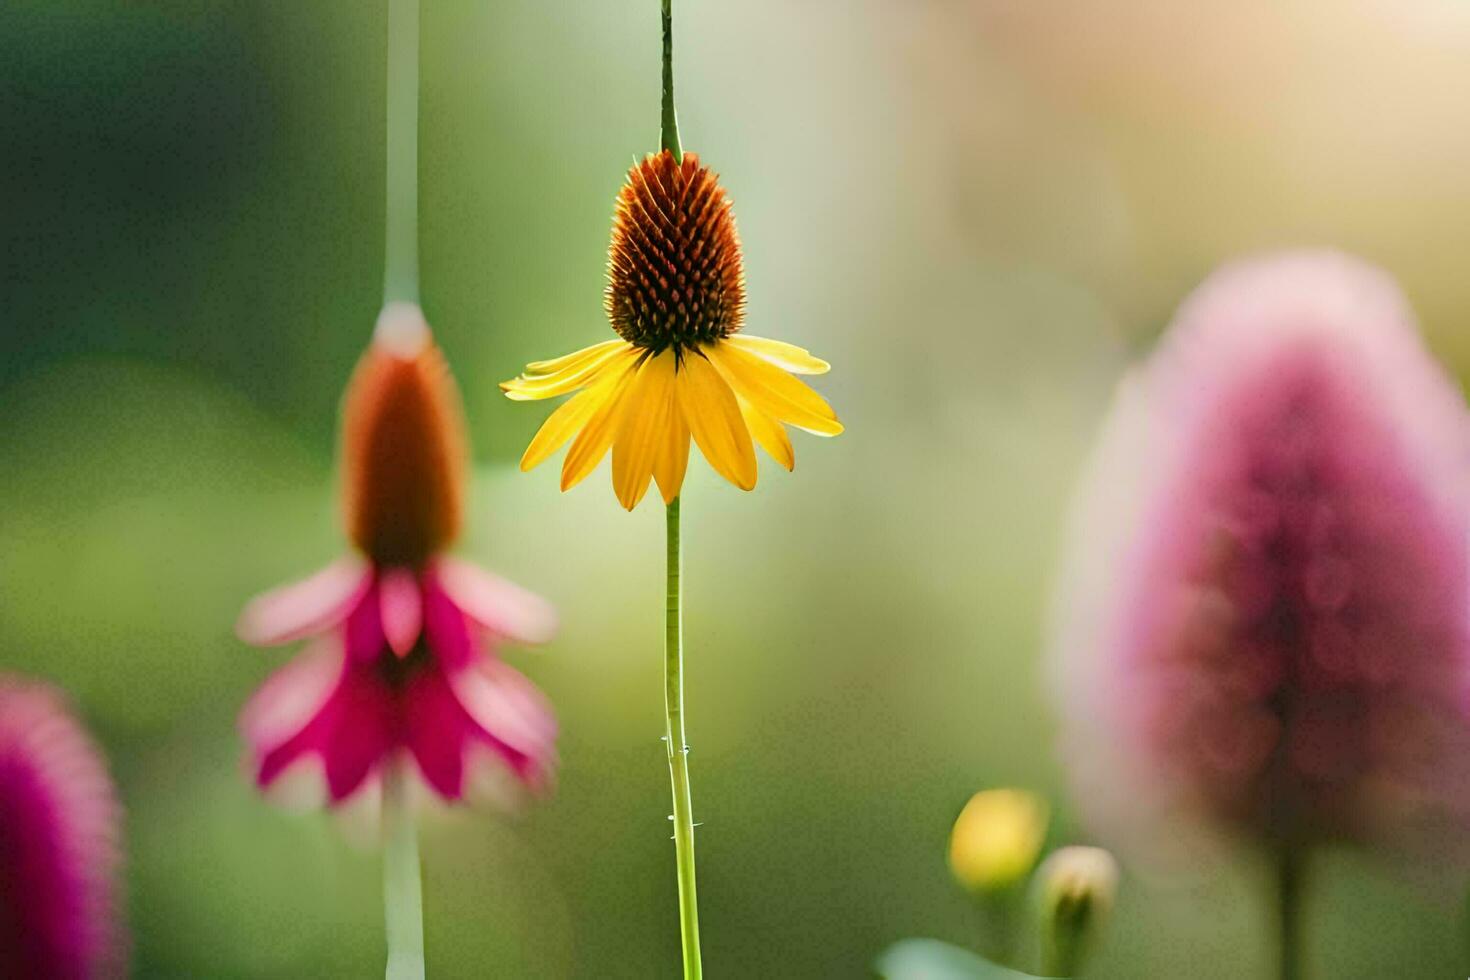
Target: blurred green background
[(978, 211)]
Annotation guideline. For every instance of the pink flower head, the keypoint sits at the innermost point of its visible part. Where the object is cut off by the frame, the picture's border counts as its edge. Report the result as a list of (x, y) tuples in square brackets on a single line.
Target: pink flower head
[(59, 843), (1264, 618), (402, 656)]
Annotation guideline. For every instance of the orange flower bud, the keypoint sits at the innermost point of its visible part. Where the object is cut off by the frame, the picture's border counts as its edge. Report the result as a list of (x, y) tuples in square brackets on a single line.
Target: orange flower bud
[(403, 444)]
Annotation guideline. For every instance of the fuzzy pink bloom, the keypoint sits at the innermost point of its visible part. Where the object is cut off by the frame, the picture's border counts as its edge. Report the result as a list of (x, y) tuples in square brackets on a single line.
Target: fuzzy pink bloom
[(403, 652), (1264, 617), (59, 843)]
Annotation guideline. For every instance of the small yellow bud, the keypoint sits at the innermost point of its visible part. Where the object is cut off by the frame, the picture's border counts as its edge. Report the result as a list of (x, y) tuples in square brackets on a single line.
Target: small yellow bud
[(996, 840), (1076, 888)]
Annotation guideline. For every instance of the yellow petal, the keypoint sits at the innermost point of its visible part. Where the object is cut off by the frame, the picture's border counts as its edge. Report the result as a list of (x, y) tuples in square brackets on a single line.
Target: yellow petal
[(769, 433), (645, 417), (538, 369), (673, 454), (577, 373), (597, 435), (713, 418), (788, 357), (773, 391), (568, 418)]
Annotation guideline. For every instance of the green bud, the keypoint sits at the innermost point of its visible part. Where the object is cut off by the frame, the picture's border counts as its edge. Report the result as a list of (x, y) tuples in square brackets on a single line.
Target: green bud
[(1076, 887)]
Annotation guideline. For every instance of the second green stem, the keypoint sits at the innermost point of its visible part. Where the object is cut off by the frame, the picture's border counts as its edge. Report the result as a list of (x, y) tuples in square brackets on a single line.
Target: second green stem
[(668, 130), (403, 898), (683, 817), (1289, 884), (401, 216)]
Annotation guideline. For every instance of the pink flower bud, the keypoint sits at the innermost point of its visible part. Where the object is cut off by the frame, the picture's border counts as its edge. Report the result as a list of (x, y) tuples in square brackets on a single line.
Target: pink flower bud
[(59, 843), (1264, 620)]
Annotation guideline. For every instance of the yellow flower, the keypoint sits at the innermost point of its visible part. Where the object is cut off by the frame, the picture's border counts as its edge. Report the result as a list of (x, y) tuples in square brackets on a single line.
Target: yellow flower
[(997, 838), (676, 297)]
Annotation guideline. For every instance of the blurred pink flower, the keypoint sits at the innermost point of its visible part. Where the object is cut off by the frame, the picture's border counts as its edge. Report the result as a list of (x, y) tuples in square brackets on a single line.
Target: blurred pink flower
[(1264, 617), (59, 843), (403, 656)]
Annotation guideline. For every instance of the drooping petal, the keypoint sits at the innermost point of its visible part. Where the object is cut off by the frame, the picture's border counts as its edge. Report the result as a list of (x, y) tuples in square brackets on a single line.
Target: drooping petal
[(597, 435), (645, 421), (401, 608), (364, 731), (673, 452), (508, 707), (60, 843), (305, 608), (1262, 623), (363, 634), (352, 732), (560, 426), (786, 356), (575, 374), (448, 713), (495, 604), (291, 696), (713, 417), (437, 731), (447, 629), (569, 418), (539, 369), (773, 391), (769, 433)]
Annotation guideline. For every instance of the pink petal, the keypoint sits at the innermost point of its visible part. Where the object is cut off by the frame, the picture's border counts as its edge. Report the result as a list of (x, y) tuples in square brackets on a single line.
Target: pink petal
[(402, 609), (304, 608), (292, 695), (438, 731), (449, 716), (446, 628), (351, 732), (507, 706), (497, 605), (364, 732), (365, 634)]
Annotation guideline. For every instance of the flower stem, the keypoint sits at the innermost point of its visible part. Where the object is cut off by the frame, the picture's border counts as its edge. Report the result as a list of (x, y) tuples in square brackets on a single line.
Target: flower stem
[(1289, 889), (683, 817), (403, 900), (669, 128), (998, 919), (401, 218), (402, 890)]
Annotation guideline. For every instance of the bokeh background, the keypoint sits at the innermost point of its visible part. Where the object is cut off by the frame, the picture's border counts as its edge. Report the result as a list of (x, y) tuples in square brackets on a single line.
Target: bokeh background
[(978, 210)]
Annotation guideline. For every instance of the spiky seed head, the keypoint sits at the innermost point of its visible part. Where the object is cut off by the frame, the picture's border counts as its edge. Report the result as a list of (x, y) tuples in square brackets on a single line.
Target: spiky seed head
[(674, 272)]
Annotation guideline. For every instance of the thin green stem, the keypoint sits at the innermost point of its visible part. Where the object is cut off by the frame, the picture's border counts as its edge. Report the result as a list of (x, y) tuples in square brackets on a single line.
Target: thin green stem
[(998, 920), (401, 237), (1290, 881), (403, 900), (674, 737), (669, 128)]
